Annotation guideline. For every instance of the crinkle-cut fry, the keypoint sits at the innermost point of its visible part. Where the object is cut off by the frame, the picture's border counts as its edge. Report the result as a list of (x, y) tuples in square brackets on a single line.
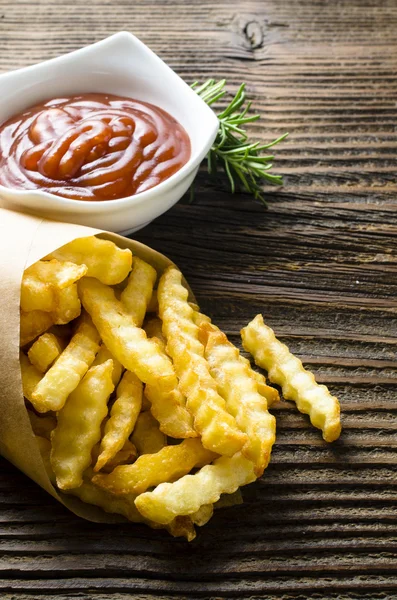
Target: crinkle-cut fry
[(296, 382), (33, 324), (216, 426), (45, 350), (229, 500), (79, 426), (122, 419), (270, 394), (238, 387), (30, 376), (153, 304), (168, 408), (42, 282), (42, 426), (198, 317), (104, 355), (59, 274), (170, 463), (127, 455), (125, 341), (188, 494), (121, 505), (67, 305), (65, 375), (203, 515), (139, 289), (147, 437), (103, 259), (153, 328)]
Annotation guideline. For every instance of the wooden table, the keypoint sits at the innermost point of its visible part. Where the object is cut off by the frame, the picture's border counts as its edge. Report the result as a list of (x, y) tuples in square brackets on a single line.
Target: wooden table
[(320, 264)]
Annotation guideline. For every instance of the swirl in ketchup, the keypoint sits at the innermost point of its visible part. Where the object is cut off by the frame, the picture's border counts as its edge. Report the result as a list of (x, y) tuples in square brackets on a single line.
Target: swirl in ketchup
[(91, 147)]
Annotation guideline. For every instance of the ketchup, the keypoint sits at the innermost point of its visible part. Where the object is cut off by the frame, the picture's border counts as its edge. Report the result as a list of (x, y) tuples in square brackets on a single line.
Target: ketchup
[(91, 147)]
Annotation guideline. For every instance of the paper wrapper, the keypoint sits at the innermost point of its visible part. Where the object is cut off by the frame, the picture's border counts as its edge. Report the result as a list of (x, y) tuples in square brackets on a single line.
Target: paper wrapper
[(25, 239)]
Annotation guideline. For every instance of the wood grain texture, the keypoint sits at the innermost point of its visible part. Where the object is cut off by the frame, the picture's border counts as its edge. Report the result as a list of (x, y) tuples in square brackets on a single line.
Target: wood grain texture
[(321, 264)]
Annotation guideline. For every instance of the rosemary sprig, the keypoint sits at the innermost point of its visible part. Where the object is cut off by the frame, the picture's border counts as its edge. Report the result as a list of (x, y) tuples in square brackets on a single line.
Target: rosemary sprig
[(242, 161)]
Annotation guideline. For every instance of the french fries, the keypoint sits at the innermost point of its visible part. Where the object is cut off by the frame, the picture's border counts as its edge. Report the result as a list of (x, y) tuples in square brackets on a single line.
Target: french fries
[(44, 351), (147, 437), (217, 427), (103, 259), (64, 376), (79, 426), (43, 282), (33, 324), (297, 383), (123, 416), (188, 494), (154, 417), (170, 463), (138, 292), (238, 387), (128, 343)]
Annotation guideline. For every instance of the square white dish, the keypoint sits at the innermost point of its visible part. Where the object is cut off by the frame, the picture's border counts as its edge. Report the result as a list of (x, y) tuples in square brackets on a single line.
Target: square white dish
[(121, 65)]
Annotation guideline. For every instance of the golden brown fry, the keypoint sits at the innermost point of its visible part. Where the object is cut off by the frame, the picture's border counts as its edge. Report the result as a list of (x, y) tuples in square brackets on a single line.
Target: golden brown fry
[(104, 260), (238, 387), (147, 437), (67, 305), (122, 505), (217, 427), (153, 304), (125, 341), (45, 351), (139, 289), (188, 494), (42, 282), (168, 409), (265, 390), (153, 328), (125, 456), (104, 355), (42, 426), (297, 383), (123, 416), (170, 463), (270, 394), (33, 324), (65, 375), (79, 426), (31, 377)]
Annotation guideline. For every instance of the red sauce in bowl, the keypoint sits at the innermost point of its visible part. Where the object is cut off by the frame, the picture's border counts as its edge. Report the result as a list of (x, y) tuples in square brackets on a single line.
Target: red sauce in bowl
[(91, 147)]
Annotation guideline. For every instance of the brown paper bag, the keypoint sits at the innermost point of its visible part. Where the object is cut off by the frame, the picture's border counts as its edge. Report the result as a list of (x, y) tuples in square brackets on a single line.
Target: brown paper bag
[(24, 239)]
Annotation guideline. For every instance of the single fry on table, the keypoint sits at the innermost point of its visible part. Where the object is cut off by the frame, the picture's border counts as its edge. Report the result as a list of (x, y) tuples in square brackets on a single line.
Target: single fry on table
[(297, 383)]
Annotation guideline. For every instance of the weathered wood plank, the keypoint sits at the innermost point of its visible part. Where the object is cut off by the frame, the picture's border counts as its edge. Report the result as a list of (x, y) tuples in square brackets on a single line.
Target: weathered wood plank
[(320, 264)]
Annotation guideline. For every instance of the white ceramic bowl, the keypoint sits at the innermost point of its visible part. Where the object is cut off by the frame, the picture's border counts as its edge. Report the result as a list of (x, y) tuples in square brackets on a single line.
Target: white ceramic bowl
[(121, 65)]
